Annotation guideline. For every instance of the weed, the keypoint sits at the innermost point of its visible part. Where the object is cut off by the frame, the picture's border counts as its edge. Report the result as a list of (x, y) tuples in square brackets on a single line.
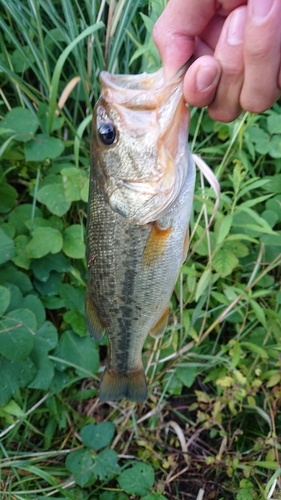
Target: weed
[(211, 425)]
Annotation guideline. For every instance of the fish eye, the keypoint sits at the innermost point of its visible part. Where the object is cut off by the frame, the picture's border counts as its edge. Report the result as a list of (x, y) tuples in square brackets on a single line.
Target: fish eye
[(107, 133)]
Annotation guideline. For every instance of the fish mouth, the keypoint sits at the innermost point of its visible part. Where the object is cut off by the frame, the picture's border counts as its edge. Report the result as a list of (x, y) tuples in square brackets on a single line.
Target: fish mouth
[(140, 91), (145, 104)]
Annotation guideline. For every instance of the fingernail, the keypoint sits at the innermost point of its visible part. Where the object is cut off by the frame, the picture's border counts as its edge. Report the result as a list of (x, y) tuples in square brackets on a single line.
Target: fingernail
[(205, 77), (236, 26), (260, 10)]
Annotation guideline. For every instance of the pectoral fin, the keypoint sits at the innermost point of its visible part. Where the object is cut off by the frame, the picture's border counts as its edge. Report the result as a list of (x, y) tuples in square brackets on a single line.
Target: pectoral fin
[(94, 325), (155, 245), (159, 329)]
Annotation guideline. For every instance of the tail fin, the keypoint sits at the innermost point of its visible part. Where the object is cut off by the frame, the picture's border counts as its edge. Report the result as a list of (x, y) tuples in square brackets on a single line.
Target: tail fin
[(114, 386)]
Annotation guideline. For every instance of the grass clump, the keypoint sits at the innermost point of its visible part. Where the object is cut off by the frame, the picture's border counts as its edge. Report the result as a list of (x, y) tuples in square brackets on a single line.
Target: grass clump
[(211, 425)]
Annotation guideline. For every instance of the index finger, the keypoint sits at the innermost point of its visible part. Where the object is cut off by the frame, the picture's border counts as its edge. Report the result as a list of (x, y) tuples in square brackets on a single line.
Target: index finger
[(180, 23)]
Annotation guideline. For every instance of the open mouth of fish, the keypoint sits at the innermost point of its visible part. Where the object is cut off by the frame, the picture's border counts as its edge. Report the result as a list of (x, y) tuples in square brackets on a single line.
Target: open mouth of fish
[(150, 114)]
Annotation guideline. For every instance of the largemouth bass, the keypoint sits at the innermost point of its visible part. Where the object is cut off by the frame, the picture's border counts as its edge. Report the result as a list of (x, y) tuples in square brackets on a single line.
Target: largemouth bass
[(141, 194)]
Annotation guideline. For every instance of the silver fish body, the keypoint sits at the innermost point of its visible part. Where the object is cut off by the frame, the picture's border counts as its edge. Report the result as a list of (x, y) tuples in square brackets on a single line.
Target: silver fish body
[(141, 195)]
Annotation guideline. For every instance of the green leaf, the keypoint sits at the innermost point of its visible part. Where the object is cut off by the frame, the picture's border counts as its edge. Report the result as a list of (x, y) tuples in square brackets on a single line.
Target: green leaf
[(154, 496), (53, 302), (7, 249), (85, 191), (5, 298), (137, 480), (251, 222), (44, 240), (186, 375), (45, 371), (34, 304), (275, 147), (59, 381), (73, 242), (97, 436), (265, 464), (275, 205), (272, 239), (22, 122), (77, 320), (22, 62), (42, 147), (49, 287), (46, 339), (255, 348), (17, 331), (50, 262), (224, 262), (274, 123), (259, 312), (203, 283), (73, 297), (20, 215), (260, 138), (52, 195), (8, 196), (81, 353), (43, 117), (224, 228), (174, 386), (113, 495), (8, 229), (237, 247), (274, 380), (13, 375), (106, 465), (270, 217), (12, 275), (21, 259), (14, 409), (274, 183), (80, 464), (74, 180)]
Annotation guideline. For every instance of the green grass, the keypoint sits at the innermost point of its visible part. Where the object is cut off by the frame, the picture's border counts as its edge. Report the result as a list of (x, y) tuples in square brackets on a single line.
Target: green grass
[(211, 425)]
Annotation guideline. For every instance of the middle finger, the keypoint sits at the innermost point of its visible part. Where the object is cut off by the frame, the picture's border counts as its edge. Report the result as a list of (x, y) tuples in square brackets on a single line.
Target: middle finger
[(229, 52)]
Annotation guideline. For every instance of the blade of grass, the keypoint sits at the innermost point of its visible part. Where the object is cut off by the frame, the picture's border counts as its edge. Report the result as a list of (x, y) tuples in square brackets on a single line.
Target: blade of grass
[(59, 66)]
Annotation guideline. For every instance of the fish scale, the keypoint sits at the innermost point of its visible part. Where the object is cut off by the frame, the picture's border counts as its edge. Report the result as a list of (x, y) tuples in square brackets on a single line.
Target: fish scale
[(133, 265)]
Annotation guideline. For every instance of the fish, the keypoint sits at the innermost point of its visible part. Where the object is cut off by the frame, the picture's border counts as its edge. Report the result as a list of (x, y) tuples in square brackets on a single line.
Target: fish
[(141, 192)]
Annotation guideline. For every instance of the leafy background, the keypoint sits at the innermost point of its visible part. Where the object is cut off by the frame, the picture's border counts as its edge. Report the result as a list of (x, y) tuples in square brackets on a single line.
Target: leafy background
[(210, 428)]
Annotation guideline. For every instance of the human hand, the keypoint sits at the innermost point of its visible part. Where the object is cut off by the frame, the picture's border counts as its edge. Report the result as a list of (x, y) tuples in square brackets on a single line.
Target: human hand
[(237, 50)]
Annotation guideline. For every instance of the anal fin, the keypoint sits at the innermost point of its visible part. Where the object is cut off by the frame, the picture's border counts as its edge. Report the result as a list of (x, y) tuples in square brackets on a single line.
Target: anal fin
[(159, 328), (94, 325), (115, 386)]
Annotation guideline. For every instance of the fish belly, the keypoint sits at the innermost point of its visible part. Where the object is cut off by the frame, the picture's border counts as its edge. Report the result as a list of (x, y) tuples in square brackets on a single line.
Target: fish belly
[(132, 272)]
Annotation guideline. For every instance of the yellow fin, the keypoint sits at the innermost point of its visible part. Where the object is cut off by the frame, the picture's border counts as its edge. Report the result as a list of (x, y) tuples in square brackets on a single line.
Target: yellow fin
[(114, 386), (155, 245), (94, 325), (185, 245), (159, 329)]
